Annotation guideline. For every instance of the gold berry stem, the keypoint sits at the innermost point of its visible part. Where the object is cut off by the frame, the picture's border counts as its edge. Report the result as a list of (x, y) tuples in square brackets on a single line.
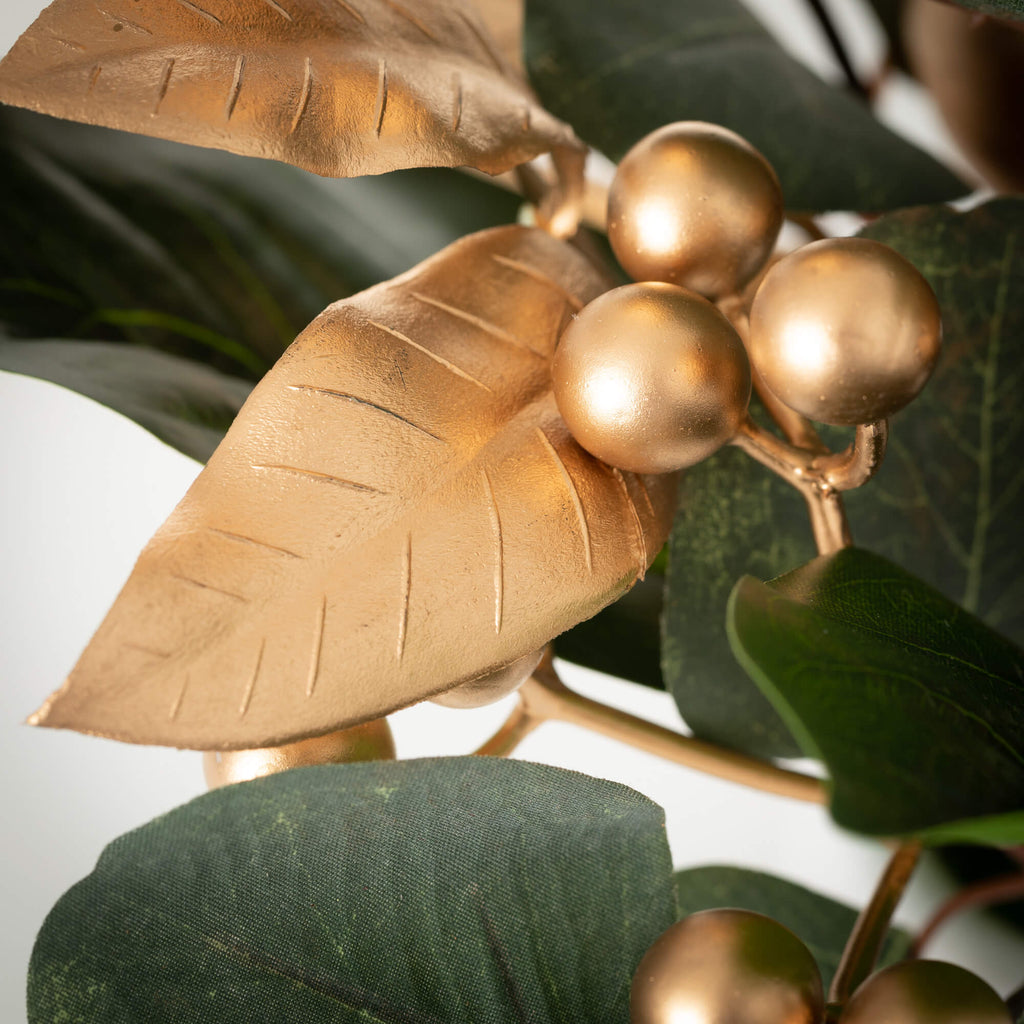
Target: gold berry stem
[(797, 467), (868, 935), (544, 697), (858, 463)]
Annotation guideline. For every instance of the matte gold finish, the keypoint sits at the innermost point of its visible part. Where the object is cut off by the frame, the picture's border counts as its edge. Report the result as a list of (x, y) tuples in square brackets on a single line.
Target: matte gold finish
[(339, 87), (651, 378), (478, 693), (544, 697), (397, 509), (727, 967), (925, 992), (696, 205), (845, 331), (371, 741)]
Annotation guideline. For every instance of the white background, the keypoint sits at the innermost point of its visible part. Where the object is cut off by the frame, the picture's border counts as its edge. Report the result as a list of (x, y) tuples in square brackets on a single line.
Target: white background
[(83, 489)]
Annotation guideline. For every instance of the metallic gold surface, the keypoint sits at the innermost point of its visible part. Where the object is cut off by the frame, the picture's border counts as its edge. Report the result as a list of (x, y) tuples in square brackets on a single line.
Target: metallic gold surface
[(845, 331), (925, 992), (696, 205), (338, 87), (651, 378), (727, 967), (478, 693), (397, 509), (371, 741)]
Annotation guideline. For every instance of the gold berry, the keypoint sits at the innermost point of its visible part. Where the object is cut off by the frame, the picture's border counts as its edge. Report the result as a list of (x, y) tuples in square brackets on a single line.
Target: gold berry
[(486, 689), (371, 741), (651, 378), (924, 992), (727, 967), (694, 204), (845, 331)]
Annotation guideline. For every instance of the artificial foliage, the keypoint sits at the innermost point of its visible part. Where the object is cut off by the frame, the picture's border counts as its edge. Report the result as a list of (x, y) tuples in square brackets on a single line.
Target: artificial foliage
[(396, 373)]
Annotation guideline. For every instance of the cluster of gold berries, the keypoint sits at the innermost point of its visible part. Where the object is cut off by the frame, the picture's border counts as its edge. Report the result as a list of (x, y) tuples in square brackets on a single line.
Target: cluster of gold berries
[(737, 967), (652, 377)]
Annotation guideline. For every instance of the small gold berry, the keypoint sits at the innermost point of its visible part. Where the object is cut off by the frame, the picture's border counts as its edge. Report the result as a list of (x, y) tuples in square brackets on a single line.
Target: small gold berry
[(371, 741), (694, 204), (486, 689), (651, 378), (845, 331), (925, 992), (727, 967)]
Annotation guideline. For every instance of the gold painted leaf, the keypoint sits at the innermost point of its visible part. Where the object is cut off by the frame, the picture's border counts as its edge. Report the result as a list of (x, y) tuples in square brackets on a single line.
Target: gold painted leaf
[(397, 509), (338, 87)]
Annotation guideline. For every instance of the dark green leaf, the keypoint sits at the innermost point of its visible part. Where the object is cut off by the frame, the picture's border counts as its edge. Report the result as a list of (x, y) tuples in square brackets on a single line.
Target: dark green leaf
[(823, 924), (915, 706), (453, 891), (213, 257), (998, 8), (623, 639), (185, 404), (733, 518), (617, 70), (948, 502)]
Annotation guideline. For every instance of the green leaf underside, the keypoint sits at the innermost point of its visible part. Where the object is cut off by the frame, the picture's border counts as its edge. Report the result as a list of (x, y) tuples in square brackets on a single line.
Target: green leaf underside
[(948, 502), (415, 892), (915, 706), (617, 71), (732, 518), (212, 257), (185, 404), (821, 923)]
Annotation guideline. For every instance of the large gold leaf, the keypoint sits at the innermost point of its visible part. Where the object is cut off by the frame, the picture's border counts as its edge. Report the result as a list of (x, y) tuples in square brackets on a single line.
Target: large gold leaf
[(339, 87), (398, 508)]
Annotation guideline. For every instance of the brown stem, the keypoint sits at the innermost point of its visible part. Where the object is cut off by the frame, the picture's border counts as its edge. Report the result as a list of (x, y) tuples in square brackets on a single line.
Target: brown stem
[(868, 935), (544, 697), (988, 893)]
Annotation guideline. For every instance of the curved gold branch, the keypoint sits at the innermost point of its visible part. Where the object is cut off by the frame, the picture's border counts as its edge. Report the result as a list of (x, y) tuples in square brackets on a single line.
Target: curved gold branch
[(544, 697), (868, 935), (859, 462)]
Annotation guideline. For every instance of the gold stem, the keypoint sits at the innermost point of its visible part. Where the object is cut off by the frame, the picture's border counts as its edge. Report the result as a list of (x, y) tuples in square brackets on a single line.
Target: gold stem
[(859, 462), (868, 935), (544, 697), (798, 468)]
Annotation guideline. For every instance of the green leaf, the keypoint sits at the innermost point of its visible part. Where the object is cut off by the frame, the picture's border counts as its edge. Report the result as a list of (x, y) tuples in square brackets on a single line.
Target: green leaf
[(450, 891), (949, 499), (185, 404), (823, 924), (622, 639), (732, 518), (915, 706), (946, 504), (619, 70), (204, 255), (997, 8)]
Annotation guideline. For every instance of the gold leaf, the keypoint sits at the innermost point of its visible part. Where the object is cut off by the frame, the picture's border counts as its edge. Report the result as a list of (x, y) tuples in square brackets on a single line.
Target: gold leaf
[(505, 21), (339, 87), (397, 509)]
